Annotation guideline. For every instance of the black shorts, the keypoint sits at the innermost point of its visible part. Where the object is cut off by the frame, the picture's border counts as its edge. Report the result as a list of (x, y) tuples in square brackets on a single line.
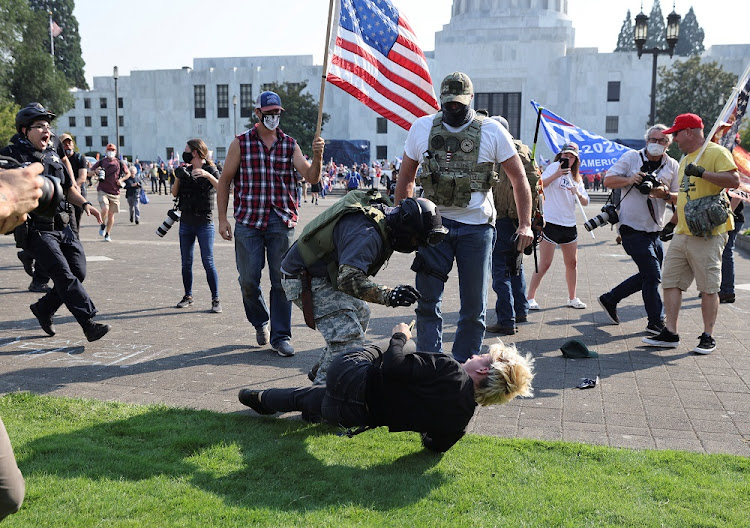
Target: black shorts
[(558, 234)]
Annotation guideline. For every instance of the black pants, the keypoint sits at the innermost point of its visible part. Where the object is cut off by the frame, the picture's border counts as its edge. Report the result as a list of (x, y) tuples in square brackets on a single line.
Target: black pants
[(164, 183), (341, 401), (61, 256), (154, 185)]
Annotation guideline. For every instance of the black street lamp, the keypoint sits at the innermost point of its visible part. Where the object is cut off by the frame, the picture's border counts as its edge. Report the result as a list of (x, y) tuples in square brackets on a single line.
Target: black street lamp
[(234, 103), (641, 35), (115, 76)]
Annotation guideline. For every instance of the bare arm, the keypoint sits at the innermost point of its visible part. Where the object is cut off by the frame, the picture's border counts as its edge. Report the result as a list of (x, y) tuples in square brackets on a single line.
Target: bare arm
[(728, 179), (406, 176), (75, 197), (310, 171), (231, 167)]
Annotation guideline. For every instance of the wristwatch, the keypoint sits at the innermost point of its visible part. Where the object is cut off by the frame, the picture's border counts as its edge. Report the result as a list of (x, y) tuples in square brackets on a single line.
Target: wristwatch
[(85, 204)]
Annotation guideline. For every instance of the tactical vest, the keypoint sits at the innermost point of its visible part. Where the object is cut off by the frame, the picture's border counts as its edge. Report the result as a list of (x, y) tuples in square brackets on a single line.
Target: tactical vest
[(316, 241), (196, 195), (505, 201), (451, 170)]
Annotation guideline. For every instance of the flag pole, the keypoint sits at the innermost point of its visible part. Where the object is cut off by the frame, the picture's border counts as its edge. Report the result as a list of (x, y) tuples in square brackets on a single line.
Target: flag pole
[(325, 71), (51, 36), (730, 101)]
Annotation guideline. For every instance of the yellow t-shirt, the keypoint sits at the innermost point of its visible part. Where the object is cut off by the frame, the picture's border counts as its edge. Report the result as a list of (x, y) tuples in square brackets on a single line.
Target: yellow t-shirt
[(715, 159)]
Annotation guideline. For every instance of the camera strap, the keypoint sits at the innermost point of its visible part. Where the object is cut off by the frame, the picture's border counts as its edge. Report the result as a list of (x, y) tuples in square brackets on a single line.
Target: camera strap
[(649, 203)]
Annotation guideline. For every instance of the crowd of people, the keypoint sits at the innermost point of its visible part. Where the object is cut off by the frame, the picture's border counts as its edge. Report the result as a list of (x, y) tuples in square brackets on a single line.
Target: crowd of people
[(479, 208)]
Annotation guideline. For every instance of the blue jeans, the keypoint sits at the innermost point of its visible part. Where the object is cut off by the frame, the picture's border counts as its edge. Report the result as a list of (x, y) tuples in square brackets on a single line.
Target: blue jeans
[(727, 260), (252, 248), (471, 247), (510, 290), (205, 235), (647, 252)]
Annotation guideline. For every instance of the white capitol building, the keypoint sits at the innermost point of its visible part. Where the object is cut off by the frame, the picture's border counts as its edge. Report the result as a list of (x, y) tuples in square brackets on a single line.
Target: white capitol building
[(513, 50)]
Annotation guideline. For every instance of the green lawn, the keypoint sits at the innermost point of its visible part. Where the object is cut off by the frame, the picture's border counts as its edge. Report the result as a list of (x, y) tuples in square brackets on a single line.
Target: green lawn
[(89, 463)]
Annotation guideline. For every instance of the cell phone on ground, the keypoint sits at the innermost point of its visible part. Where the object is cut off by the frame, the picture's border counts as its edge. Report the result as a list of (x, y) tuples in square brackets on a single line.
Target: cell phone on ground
[(564, 163)]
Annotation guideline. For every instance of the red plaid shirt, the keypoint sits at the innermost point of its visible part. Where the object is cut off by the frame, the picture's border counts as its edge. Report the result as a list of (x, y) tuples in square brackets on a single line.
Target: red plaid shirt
[(265, 181)]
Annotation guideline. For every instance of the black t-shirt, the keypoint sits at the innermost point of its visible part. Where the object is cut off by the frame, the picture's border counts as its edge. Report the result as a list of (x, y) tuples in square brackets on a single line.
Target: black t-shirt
[(196, 196)]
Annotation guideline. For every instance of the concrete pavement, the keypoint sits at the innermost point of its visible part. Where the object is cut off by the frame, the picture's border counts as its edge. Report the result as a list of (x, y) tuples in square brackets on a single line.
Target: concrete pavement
[(647, 397)]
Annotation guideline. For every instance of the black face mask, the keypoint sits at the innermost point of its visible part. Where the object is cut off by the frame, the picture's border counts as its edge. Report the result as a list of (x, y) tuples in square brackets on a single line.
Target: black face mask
[(456, 118), (187, 157)]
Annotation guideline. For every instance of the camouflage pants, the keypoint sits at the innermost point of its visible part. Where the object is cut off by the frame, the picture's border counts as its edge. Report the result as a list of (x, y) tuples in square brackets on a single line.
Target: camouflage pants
[(340, 318)]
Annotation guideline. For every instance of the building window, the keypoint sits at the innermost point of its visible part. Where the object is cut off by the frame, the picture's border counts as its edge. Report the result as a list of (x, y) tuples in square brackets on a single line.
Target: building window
[(170, 153), (221, 154), (199, 94), (89, 141), (381, 152), (119, 102), (246, 100), (268, 87), (506, 104), (105, 141), (121, 120), (87, 102), (87, 121), (122, 141), (102, 102), (612, 124), (613, 91), (72, 121), (104, 120), (382, 125), (222, 100)]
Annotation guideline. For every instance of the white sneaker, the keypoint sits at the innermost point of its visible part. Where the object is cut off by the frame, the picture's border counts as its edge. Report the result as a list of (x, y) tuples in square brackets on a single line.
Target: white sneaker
[(102, 229), (107, 238), (533, 305), (576, 303)]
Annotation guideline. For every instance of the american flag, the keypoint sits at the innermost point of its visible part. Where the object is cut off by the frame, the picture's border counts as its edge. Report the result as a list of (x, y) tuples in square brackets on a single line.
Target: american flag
[(54, 28), (374, 57)]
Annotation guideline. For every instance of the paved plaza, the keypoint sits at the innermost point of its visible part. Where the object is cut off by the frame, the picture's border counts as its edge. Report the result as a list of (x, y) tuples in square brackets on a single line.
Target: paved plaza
[(646, 398)]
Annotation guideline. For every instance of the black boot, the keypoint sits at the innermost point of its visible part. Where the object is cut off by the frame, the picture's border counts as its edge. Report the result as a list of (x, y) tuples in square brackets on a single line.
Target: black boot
[(94, 331), (45, 321)]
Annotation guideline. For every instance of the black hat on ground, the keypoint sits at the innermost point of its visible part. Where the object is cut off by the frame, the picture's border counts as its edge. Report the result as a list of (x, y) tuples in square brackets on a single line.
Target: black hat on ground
[(576, 349)]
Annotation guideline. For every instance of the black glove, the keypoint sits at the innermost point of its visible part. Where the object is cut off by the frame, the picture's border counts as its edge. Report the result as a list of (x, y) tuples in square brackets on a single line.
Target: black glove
[(694, 170), (402, 295), (667, 233)]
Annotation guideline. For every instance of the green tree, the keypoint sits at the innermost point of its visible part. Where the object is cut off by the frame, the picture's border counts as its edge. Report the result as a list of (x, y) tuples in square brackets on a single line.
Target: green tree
[(657, 30), (68, 55), (300, 114), (625, 40), (691, 36), (13, 18), (8, 111), (34, 77), (745, 136), (693, 86)]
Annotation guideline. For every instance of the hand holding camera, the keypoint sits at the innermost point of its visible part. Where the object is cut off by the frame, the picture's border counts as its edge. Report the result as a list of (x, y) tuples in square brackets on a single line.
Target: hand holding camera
[(101, 174), (694, 170)]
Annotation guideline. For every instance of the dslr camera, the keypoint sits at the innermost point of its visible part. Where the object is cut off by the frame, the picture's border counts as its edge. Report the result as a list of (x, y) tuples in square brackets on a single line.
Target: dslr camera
[(608, 215), (52, 191), (648, 184)]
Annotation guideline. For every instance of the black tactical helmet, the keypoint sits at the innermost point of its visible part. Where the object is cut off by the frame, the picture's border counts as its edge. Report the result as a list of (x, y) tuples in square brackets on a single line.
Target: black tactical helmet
[(415, 222), (32, 112)]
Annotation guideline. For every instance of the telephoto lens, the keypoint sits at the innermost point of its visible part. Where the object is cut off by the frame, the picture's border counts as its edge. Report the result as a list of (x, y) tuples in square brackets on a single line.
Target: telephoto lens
[(609, 214), (101, 174), (172, 216)]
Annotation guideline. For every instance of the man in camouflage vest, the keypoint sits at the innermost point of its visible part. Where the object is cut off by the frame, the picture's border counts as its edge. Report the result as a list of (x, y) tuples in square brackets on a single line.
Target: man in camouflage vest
[(459, 151), (508, 282)]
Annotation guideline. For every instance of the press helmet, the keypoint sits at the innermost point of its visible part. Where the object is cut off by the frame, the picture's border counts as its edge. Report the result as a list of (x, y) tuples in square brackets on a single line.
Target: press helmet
[(31, 113), (414, 223)]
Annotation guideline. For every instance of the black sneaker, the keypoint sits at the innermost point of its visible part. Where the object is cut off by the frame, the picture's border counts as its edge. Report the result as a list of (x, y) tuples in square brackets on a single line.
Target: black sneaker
[(27, 262), (655, 328), (38, 287), (521, 319), (726, 298), (706, 344), (665, 339), (251, 398), (95, 331), (186, 301), (45, 321), (610, 309)]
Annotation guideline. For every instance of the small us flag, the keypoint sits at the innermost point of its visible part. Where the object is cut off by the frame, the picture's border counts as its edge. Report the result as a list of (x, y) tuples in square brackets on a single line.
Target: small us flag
[(375, 58)]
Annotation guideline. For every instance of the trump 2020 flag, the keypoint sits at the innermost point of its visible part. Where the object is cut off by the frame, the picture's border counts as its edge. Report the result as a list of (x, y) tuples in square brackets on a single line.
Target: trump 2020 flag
[(735, 110), (374, 57), (598, 154)]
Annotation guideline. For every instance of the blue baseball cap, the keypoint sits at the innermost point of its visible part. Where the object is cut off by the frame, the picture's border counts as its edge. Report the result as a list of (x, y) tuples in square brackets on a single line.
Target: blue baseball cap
[(268, 101)]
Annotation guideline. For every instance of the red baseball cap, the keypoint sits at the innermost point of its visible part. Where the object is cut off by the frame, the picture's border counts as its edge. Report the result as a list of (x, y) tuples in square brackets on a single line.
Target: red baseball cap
[(683, 121)]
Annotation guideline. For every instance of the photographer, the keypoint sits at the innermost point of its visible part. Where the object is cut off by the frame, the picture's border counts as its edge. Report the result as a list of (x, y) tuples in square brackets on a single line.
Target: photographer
[(195, 188), (649, 180), (428, 393), (51, 241)]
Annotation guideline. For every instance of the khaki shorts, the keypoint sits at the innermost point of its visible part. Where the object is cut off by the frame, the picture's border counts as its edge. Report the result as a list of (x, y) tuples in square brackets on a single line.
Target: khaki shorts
[(691, 257), (111, 201)]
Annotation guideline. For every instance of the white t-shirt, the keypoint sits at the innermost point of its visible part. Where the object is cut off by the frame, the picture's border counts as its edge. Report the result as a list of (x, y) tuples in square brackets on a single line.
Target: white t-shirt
[(496, 145), (634, 205), (559, 202)]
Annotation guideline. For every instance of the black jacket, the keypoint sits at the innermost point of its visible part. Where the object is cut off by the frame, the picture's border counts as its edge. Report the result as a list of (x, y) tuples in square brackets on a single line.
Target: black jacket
[(428, 393)]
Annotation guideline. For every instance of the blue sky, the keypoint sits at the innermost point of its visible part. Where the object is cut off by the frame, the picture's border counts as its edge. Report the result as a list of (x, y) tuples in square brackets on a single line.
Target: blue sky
[(168, 34)]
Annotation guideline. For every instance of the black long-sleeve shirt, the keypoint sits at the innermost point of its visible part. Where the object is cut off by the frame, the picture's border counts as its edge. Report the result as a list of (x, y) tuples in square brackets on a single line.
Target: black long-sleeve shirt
[(423, 392)]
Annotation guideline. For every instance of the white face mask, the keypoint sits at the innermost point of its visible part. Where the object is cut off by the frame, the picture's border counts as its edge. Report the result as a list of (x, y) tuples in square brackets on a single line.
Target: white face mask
[(110, 154), (655, 149), (271, 121)]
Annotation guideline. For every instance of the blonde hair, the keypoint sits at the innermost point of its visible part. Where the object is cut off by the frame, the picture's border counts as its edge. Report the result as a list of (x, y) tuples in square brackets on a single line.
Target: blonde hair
[(510, 375)]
